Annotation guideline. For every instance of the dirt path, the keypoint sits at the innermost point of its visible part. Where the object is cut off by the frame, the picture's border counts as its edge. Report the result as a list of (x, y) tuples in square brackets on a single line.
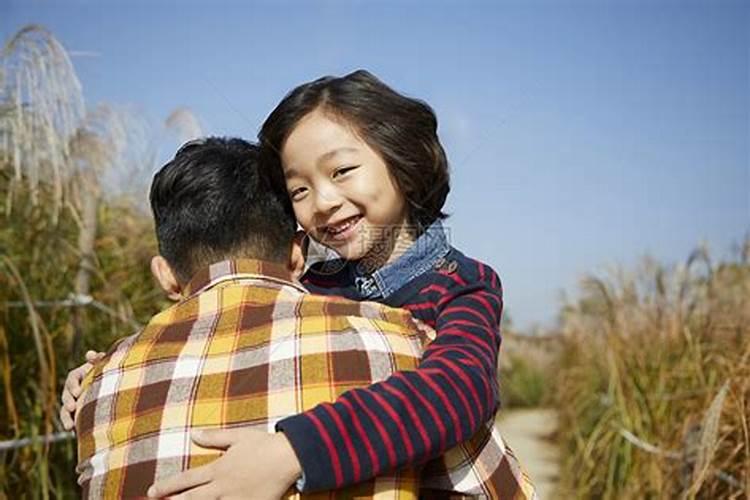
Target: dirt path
[(526, 432)]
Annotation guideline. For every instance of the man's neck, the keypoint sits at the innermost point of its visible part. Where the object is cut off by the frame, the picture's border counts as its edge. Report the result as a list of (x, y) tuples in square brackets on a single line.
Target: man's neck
[(234, 268)]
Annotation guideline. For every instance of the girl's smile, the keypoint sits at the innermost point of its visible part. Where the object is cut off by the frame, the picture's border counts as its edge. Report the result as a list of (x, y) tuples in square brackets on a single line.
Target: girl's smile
[(342, 191), (343, 230)]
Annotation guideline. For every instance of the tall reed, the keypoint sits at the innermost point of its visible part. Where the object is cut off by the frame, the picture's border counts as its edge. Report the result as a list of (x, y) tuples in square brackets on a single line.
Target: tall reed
[(38, 264), (653, 382), (72, 226)]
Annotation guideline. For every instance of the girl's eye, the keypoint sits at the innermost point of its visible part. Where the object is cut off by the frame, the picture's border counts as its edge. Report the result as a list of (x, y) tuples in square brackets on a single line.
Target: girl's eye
[(298, 193), (343, 171)]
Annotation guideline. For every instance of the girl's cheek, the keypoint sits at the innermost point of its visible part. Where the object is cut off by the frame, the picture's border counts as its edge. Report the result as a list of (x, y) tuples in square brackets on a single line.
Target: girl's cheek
[(303, 217)]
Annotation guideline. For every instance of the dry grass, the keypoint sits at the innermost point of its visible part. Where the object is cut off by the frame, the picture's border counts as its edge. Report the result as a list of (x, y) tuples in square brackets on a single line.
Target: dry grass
[(653, 383), (42, 106), (38, 262), (71, 220)]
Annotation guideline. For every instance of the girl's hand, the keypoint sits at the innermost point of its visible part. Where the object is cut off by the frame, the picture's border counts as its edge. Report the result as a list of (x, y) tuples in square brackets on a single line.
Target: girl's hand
[(256, 465), (425, 330), (72, 390)]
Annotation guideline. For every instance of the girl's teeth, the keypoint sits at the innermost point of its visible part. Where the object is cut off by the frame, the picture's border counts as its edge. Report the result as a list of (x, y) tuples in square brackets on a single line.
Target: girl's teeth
[(341, 229)]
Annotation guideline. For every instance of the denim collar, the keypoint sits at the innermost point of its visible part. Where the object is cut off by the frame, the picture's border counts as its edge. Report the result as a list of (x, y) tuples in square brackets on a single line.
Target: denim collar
[(419, 258)]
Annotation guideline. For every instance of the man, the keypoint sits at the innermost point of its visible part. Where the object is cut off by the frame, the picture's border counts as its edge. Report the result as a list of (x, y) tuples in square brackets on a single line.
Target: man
[(244, 347)]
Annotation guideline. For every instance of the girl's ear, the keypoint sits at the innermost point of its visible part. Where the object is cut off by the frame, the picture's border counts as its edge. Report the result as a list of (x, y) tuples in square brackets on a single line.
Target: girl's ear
[(298, 254), (163, 273)]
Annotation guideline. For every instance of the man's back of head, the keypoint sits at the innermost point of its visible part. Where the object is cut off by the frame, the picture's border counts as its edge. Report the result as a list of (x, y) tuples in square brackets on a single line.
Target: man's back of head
[(213, 202)]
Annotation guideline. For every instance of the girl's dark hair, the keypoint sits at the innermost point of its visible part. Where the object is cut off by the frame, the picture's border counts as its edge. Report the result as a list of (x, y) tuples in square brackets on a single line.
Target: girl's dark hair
[(402, 130)]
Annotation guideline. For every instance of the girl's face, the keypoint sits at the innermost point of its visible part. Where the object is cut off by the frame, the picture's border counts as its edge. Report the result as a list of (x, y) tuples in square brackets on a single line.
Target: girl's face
[(342, 192)]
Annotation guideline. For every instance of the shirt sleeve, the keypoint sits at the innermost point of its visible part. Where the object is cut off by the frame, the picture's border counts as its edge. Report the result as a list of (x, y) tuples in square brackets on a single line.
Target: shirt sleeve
[(412, 416)]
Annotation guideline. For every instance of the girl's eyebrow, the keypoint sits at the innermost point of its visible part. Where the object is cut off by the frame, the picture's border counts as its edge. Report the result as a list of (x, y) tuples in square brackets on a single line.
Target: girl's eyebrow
[(289, 172), (334, 152)]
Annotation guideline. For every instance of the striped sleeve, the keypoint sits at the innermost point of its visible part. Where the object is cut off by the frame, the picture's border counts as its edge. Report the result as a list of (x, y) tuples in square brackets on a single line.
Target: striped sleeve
[(412, 416)]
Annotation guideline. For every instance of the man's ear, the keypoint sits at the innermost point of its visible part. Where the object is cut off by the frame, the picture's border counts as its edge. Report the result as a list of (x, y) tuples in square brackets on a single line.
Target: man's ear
[(163, 273), (298, 254)]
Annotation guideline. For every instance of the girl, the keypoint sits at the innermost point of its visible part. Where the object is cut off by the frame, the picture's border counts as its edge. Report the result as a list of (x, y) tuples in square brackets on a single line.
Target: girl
[(368, 178)]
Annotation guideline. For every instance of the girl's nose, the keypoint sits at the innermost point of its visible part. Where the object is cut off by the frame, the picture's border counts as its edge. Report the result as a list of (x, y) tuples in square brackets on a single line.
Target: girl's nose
[(326, 201)]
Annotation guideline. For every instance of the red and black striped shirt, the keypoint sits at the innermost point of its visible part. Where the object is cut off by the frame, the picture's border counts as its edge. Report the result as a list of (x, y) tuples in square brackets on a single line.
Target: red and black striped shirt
[(413, 416)]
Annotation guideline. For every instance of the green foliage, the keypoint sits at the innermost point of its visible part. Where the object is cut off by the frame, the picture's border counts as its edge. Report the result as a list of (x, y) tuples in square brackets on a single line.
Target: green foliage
[(522, 383)]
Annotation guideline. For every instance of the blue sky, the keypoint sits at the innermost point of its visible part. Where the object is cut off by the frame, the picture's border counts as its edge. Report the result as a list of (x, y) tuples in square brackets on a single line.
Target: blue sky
[(580, 134)]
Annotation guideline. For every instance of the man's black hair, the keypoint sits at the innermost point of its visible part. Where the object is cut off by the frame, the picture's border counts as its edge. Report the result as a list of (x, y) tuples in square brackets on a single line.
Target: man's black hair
[(212, 202)]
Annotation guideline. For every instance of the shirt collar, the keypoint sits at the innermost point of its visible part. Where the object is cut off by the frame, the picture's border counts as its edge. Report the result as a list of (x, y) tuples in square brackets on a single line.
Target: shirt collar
[(240, 269), (421, 256)]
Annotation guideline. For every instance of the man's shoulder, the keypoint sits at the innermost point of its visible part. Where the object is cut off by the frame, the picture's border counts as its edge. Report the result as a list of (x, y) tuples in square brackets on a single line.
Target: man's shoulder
[(339, 307), (370, 334), (224, 301)]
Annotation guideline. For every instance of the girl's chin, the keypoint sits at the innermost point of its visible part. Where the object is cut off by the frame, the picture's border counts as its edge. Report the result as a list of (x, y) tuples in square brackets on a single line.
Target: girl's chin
[(352, 251), (366, 245)]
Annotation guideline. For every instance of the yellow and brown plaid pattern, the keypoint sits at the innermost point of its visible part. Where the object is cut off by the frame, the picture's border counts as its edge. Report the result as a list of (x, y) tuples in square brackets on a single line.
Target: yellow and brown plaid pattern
[(247, 347), (484, 467)]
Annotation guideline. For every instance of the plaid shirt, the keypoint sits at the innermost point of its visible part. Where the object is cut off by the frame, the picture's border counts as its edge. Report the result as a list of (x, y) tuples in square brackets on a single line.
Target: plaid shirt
[(246, 347), (483, 467)]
